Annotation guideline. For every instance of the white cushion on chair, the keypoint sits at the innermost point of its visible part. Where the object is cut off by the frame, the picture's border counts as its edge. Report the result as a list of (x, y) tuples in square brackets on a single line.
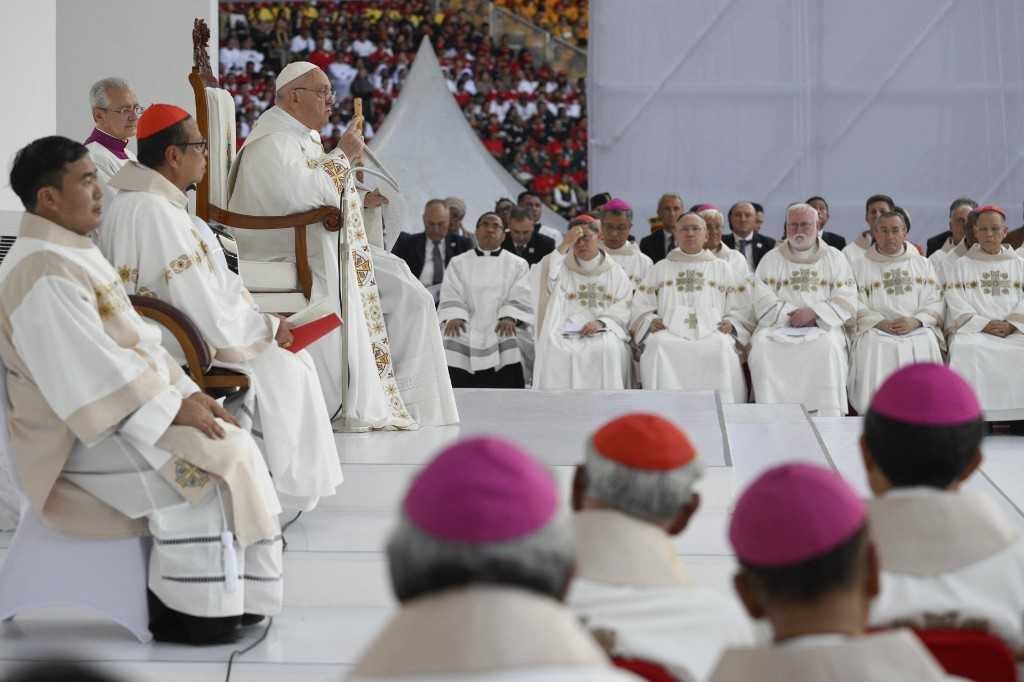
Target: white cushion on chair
[(220, 107), (269, 276), (281, 303)]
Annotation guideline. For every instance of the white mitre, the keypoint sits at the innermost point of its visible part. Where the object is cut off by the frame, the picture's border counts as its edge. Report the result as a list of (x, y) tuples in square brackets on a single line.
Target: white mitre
[(291, 72)]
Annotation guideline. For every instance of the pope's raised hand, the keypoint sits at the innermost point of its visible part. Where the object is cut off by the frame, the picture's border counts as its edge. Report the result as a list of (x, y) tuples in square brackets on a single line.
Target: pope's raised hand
[(351, 142)]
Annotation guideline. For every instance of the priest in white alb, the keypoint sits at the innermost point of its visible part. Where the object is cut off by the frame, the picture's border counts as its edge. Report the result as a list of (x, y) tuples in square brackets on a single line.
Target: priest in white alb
[(162, 251), (689, 316), (804, 294), (959, 211), (899, 311), (616, 223), (115, 111), (582, 320), (282, 169), (714, 220), (109, 438), (487, 312), (985, 317)]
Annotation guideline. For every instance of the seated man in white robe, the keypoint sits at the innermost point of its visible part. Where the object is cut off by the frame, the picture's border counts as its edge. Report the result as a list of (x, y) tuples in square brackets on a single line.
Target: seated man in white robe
[(950, 558), (486, 312), (804, 294), (109, 438), (809, 567), (899, 312), (714, 220), (480, 561), (632, 494), (616, 224), (875, 206), (145, 234), (115, 111), (689, 315), (959, 211), (282, 169), (985, 317), (582, 337)]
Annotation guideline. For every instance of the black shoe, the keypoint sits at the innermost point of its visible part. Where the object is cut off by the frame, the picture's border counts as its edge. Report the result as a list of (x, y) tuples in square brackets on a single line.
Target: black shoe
[(251, 619), (168, 625)]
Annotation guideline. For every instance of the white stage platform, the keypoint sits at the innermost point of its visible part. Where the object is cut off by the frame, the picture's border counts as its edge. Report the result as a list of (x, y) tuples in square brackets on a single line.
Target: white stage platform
[(337, 593)]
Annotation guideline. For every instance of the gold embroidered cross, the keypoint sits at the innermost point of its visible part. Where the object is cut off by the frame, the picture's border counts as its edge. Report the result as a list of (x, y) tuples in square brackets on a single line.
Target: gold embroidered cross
[(805, 279), (690, 281), (995, 283), (897, 281)]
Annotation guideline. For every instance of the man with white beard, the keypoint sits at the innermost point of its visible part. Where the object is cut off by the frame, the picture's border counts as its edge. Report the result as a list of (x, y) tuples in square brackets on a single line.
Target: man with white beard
[(804, 295)]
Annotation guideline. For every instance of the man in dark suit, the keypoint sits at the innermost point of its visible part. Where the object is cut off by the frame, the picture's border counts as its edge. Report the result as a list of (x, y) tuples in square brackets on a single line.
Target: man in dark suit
[(657, 244), (831, 238), (523, 239), (751, 245), (958, 212), (427, 253)]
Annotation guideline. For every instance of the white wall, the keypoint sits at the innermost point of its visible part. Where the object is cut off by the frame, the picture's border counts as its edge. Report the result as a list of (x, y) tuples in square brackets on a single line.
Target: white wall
[(147, 42), (27, 49)]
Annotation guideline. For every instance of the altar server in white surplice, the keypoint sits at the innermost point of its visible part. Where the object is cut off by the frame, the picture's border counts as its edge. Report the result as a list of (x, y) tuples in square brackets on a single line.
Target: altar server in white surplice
[(487, 312), (109, 438), (985, 317), (803, 295), (282, 169), (480, 562), (162, 251), (616, 222), (899, 312), (807, 565), (582, 337), (714, 220), (632, 494), (950, 558), (689, 315)]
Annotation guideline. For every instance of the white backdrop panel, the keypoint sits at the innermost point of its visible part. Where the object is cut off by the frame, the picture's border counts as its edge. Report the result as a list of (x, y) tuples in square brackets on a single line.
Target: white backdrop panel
[(776, 100)]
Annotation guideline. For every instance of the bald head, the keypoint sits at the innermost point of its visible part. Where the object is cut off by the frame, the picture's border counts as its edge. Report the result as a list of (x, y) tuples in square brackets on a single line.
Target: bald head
[(691, 233)]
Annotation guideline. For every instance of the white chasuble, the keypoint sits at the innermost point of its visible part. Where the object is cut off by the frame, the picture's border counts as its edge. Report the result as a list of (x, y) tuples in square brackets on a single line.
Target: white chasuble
[(980, 288), (740, 266), (633, 261), (158, 250), (807, 365), (484, 633), (692, 294), (282, 169), (963, 568), (480, 288), (890, 287), (580, 292), (93, 397), (882, 657), (633, 593)]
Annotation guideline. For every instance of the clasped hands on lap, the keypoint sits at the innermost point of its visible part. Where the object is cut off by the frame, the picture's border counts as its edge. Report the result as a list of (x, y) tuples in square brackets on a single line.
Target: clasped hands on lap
[(900, 326), (1000, 328)]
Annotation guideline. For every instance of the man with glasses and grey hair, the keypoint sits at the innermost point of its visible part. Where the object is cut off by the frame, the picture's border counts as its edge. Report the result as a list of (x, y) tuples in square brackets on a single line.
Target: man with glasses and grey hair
[(115, 111)]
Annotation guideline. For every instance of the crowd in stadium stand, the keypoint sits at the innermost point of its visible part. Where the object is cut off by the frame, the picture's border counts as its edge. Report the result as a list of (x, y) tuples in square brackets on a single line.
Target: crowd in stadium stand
[(565, 19), (531, 118)]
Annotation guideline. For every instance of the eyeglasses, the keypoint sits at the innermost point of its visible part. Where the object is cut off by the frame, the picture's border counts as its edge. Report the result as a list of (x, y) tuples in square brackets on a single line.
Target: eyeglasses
[(203, 145), (323, 93), (126, 110)]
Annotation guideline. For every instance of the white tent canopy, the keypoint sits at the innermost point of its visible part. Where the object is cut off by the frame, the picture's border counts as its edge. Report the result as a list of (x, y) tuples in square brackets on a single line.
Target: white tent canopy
[(430, 148)]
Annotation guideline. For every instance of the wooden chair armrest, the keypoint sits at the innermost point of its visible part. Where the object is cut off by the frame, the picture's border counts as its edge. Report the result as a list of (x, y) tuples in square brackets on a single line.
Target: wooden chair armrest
[(184, 330), (252, 222)]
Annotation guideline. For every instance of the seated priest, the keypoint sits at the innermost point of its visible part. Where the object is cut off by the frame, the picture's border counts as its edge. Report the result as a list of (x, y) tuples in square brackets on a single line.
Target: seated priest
[(115, 112), (945, 242), (804, 294), (950, 558), (282, 169), (714, 220), (583, 314), (689, 316), (944, 261), (985, 317), (808, 566), (876, 205), (616, 223), (899, 310), (633, 493), (480, 563), (162, 251), (109, 438), (486, 310)]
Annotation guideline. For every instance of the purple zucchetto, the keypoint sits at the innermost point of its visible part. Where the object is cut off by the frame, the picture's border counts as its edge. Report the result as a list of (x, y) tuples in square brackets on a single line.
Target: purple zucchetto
[(793, 513), (481, 490), (617, 205), (926, 394)]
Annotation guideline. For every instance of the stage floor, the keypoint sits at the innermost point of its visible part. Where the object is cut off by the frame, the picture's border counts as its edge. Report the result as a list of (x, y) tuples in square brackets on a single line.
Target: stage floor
[(337, 594)]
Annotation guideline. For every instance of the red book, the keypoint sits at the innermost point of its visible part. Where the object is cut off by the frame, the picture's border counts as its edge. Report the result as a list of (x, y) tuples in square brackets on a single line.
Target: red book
[(305, 334)]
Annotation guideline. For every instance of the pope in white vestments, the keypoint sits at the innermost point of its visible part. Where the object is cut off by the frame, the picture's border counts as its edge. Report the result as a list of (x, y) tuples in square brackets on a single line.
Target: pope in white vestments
[(582, 337), (689, 315), (899, 312), (282, 169), (162, 251), (804, 294), (985, 318), (486, 308)]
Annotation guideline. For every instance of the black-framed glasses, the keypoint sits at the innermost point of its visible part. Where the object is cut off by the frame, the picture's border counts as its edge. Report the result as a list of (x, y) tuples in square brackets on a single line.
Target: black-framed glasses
[(323, 93), (203, 145), (124, 111)]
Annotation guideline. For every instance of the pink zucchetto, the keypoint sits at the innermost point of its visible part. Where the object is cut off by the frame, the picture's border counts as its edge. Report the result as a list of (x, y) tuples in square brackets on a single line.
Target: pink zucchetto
[(699, 208), (927, 394), (481, 490), (617, 205), (793, 513)]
